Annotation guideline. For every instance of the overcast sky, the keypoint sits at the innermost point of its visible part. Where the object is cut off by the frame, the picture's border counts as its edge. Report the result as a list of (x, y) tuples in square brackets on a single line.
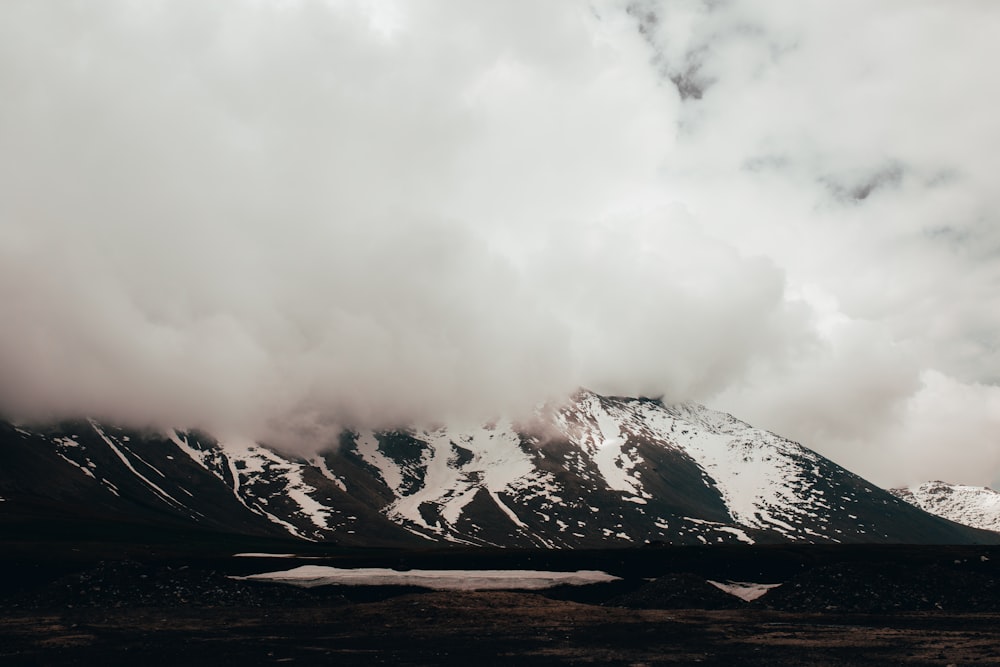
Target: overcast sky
[(276, 217)]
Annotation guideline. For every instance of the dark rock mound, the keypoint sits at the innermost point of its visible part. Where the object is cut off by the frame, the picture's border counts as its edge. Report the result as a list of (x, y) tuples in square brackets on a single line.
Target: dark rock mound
[(677, 591), (888, 587), (113, 584)]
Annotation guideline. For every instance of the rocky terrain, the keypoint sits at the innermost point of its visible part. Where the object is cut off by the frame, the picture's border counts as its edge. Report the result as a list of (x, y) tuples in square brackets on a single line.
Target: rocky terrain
[(835, 605)]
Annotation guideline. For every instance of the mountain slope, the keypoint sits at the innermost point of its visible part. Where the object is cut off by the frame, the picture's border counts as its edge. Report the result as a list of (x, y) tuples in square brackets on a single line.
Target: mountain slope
[(594, 471), (976, 506)]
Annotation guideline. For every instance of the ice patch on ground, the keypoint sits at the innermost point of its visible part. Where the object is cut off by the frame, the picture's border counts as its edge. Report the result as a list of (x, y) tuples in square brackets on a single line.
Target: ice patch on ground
[(255, 554), (451, 580), (744, 590)]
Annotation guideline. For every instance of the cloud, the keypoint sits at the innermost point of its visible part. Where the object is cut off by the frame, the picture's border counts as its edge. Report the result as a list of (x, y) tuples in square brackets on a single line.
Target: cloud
[(276, 218), (265, 217), (849, 145)]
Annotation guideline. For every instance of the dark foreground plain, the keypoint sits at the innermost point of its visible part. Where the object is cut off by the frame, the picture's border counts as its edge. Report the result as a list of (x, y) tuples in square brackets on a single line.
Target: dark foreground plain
[(491, 628), (123, 603)]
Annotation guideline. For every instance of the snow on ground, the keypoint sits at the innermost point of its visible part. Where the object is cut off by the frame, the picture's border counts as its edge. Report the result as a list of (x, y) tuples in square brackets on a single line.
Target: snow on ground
[(744, 590), (763, 479), (257, 462), (453, 580), (117, 449), (255, 554), (319, 461), (498, 464), (64, 446), (714, 525), (198, 456), (600, 435), (760, 475), (248, 464), (390, 472)]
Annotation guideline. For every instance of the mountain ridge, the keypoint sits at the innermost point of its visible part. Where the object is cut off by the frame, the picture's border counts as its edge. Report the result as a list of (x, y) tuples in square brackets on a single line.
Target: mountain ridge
[(976, 506), (594, 471)]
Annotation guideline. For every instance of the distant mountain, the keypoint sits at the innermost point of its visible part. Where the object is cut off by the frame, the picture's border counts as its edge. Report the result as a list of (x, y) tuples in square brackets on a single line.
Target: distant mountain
[(976, 506), (593, 471)]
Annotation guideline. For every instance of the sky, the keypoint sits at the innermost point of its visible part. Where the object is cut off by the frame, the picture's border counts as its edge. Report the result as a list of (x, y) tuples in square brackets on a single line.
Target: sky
[(275, 218)]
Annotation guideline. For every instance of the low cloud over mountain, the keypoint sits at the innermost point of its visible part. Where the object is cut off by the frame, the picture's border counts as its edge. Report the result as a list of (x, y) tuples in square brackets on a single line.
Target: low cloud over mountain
[(274, 219)]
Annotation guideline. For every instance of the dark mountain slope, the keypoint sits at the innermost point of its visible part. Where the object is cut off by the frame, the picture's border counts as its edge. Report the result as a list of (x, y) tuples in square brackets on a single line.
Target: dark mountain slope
[(596, 471)]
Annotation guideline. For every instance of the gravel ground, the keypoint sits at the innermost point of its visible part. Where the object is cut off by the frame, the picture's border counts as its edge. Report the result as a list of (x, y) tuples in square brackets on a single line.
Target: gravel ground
[(924, 607)]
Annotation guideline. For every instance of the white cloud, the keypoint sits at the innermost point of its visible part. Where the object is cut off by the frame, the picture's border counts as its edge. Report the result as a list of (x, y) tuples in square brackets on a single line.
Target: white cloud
[(284, 215), (850, 145)]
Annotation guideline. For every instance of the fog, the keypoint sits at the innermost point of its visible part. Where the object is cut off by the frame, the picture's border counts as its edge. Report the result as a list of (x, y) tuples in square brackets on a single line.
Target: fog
[(274, 219)]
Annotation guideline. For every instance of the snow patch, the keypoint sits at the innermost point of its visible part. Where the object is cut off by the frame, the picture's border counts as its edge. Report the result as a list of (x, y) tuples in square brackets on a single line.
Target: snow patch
[(84, 469), (454, 580), (250, 464), (166, 497), (744, 590), (256, 554), (762, 478), (498, 464), (602, 437), (320, 462), (391, 473)]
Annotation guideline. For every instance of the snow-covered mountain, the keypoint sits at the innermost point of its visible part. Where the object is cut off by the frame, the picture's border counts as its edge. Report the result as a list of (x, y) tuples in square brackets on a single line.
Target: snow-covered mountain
[(976, 506), (594, 471)]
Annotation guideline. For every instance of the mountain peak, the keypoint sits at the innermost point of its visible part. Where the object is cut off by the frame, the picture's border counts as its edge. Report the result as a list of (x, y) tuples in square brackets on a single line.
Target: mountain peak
[(593, 471), (977, 506)]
